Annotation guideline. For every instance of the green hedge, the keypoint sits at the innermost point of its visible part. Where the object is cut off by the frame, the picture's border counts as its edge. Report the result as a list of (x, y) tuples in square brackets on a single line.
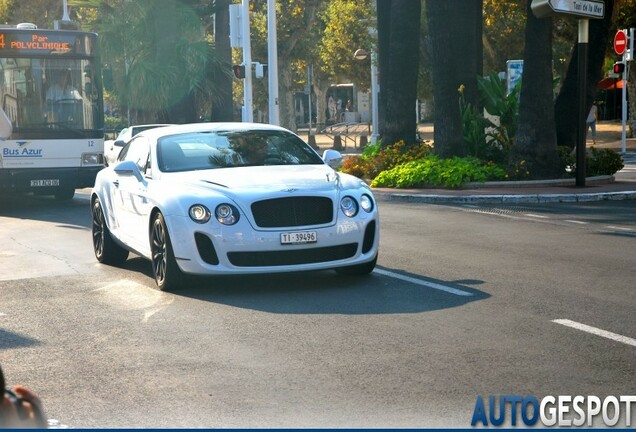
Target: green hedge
[(434, 171)]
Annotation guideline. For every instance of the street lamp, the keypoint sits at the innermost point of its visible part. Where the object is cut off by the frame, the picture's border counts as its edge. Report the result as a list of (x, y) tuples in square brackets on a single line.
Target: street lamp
[(361, 54)]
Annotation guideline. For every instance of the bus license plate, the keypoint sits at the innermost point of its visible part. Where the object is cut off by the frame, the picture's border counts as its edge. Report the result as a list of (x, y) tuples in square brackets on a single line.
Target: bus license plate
[(48, 182), (298, 237)]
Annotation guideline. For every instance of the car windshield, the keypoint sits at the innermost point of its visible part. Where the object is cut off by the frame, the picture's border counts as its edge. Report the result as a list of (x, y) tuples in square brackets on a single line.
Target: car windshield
[(210, 150)]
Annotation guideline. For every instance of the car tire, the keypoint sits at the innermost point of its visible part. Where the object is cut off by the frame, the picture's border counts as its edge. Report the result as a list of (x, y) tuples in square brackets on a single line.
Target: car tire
[(358, 269), (107, 251), (167, 273)]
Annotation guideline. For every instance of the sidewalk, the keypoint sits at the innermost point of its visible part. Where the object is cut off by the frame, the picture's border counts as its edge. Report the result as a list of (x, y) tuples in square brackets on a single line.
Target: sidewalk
[(621, 186)]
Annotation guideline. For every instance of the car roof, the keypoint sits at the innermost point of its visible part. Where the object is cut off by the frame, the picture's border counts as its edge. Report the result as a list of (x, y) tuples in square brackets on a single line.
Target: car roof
[(209, 127)]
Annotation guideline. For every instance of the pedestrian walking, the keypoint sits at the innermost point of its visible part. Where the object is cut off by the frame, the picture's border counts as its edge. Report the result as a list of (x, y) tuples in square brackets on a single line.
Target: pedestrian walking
[(591, 121)]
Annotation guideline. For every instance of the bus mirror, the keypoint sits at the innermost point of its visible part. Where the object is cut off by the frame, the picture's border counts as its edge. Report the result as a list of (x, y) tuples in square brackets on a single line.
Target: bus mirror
[(6, 128)]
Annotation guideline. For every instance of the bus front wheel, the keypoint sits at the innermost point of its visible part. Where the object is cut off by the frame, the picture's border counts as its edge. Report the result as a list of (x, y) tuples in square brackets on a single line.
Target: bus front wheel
[(64, 193)]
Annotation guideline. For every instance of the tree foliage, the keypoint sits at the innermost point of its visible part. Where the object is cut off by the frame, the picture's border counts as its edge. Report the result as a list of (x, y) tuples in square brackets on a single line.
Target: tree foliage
[(157, 54)]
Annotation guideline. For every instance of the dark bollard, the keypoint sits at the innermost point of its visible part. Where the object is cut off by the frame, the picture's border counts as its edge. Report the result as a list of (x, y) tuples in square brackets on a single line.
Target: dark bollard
[(337, 143), (311, 140), (363, 142)]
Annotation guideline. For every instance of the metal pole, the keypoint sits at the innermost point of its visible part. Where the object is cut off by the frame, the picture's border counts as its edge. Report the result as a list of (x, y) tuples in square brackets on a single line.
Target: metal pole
[(309, 74), (624, 107), (272, 68), (65, 16), (375, 134), (248, 112), (582, 77)]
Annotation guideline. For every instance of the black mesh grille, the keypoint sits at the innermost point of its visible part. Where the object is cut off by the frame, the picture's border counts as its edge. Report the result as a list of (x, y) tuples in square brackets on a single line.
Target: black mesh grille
[(292, 256), (369, 237), (293, 211), (206, 249)]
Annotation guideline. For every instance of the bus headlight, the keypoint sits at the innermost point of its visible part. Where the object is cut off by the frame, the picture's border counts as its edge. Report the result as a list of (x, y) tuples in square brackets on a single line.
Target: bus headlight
[(92, 159)]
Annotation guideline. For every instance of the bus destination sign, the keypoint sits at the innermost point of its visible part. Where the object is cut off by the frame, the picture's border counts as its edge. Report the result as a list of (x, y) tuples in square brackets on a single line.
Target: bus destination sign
[(37, 42), (34, 42)]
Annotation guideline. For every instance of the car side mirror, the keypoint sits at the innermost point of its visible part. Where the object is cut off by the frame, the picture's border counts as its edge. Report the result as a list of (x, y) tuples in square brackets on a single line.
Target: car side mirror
[(333, 158), (119, 143), (128, 168)]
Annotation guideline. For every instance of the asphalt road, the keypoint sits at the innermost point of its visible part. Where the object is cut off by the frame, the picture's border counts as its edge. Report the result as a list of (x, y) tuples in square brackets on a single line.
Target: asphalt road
[(466, 301)]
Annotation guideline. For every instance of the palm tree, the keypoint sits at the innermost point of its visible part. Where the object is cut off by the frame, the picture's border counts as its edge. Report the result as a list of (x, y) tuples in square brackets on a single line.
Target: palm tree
[(399, 65), (220, 76), (158, 55), (455, 28), (535, 147)]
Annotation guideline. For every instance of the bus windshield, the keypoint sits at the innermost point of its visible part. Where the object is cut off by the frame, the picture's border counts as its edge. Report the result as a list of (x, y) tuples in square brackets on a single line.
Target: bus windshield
[(50, 97)]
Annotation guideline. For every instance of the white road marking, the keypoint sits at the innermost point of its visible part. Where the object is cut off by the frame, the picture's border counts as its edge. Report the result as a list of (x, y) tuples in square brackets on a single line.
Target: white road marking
[(596, 331), (613, 227), (433, 285), (535, 215), (575, 221), (2, 314)]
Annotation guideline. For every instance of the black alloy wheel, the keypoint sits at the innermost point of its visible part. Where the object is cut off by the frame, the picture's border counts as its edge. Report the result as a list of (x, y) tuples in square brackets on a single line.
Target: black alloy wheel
[(105, 248), (164, 266)]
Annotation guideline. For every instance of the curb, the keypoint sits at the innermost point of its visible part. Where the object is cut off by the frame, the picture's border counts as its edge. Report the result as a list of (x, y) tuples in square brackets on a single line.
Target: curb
[(503, 198), (589, 181)]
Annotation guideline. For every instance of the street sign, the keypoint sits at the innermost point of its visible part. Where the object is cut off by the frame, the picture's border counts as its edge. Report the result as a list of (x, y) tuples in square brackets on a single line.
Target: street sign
[(620, 42), (579, 8)]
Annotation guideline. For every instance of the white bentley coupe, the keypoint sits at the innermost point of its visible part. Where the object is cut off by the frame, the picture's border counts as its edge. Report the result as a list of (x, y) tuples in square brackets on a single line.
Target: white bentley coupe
[(231, 198)]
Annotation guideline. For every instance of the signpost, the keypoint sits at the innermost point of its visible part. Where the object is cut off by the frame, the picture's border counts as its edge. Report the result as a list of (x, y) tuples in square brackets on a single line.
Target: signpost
[(620, 42), (580, 8), (584, 10)]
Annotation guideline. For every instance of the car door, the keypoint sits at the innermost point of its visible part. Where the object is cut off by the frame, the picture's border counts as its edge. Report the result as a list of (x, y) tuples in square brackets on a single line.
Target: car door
[(130, 200)]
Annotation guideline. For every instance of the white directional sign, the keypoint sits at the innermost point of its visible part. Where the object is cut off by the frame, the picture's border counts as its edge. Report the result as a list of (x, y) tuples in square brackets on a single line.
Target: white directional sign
[(580, 8)]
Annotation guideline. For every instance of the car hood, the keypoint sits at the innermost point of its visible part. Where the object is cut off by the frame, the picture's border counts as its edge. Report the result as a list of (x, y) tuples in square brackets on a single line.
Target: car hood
[(267, 180)]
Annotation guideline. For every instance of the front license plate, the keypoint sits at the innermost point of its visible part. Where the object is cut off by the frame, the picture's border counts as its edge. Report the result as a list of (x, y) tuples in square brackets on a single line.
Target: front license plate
[(298, 237), (48, 182)]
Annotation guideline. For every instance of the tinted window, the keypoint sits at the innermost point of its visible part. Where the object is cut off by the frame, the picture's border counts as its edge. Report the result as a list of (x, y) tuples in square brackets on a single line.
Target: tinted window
[(211, 150), (137, 150)]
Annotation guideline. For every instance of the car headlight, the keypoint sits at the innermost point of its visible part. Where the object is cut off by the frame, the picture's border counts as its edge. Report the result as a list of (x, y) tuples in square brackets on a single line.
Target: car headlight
[(366, 203), (226, 214), (349, 206), (199, 213)]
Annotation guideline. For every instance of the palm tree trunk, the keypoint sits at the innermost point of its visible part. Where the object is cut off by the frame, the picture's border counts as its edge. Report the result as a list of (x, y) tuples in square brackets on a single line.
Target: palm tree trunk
[(456, 51), (222, 104), (400, 91), (535, 146)]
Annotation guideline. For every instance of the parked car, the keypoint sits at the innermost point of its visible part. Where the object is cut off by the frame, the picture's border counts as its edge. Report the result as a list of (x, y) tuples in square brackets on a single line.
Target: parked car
[(113, 147), (232, 198)]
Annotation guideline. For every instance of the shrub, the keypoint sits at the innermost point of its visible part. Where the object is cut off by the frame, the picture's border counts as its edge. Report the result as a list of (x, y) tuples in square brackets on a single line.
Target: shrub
[(567, 161), (435, 171), (518, 171), (356, 165), (376, 158), (597, 162), (602, 162)]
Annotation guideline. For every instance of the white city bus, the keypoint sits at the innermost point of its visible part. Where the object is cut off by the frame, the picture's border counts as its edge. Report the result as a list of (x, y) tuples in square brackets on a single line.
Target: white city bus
[(51, 98)]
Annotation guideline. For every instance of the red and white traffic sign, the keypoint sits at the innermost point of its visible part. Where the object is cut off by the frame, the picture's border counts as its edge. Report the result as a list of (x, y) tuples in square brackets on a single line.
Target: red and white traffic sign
[(620, 42)]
